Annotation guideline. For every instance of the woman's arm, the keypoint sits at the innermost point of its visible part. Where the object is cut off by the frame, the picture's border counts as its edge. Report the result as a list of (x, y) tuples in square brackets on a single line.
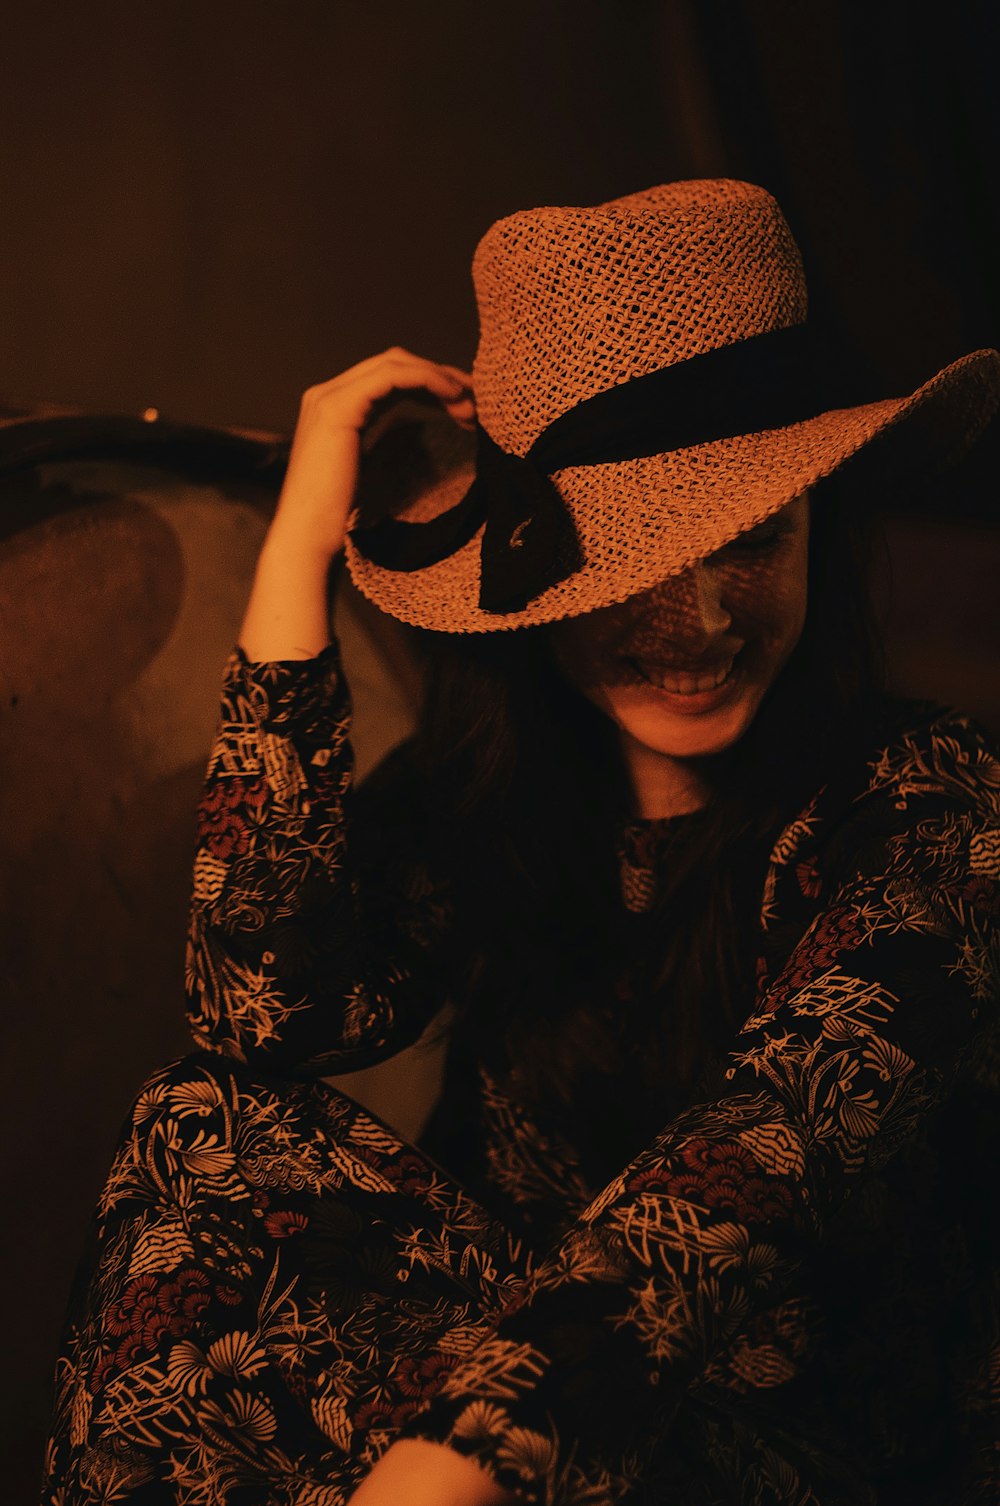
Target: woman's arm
[(860, 1036), (283, 966), (286, 617)]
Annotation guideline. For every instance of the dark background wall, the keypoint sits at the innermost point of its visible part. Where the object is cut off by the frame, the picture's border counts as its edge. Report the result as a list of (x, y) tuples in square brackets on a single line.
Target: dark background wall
[(208, 206), (211, 205)]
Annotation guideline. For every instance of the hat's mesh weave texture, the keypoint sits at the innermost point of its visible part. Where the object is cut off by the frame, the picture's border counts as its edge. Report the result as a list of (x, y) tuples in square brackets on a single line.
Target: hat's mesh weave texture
[(573, 301)]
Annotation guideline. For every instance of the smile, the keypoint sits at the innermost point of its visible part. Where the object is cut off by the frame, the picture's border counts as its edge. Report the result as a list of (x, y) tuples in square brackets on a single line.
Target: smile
[(686, 682)]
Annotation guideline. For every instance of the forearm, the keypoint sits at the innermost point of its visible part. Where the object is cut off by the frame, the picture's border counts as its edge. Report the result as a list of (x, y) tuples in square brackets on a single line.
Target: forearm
[(287, 615), (285, 965)]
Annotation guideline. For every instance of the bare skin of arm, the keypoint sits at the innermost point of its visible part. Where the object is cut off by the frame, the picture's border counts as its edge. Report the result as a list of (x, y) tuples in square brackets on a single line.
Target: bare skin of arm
[(286, 618), (414, 1472)]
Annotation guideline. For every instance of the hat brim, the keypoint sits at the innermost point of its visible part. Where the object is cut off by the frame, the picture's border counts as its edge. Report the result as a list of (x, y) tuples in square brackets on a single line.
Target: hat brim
[(642, 521)]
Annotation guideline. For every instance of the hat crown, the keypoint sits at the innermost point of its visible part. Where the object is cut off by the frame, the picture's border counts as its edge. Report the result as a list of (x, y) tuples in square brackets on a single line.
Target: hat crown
[(576, 300)]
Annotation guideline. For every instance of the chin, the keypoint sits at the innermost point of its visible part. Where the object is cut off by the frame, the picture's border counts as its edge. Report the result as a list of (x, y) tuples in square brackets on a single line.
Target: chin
[(687, 732)]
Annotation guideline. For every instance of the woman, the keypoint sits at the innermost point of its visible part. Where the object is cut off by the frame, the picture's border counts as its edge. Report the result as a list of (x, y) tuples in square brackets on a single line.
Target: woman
[(715, 920)]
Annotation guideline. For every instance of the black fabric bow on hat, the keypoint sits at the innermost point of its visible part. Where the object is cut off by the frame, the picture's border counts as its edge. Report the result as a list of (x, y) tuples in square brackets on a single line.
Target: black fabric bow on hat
[(530, 541)]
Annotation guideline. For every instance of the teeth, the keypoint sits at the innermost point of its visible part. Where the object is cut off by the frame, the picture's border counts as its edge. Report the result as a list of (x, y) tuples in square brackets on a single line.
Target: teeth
[(683, 683)]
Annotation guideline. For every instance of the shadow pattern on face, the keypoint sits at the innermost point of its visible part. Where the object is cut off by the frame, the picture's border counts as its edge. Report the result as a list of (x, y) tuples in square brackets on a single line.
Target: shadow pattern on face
[(751, 593)]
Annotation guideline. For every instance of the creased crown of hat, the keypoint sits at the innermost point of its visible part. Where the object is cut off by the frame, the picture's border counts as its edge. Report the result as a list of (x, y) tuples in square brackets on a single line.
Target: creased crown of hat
[(645, 392)]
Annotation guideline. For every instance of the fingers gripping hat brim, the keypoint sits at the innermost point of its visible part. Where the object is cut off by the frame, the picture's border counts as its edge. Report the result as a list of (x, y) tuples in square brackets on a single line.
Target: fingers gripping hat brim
[(643, 520)]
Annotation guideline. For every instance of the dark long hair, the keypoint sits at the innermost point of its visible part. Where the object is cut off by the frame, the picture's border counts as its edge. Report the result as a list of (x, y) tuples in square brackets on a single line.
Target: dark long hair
[(524, 796)]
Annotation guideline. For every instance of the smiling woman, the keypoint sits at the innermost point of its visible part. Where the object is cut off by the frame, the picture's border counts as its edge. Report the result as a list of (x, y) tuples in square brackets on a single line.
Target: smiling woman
[(705, 919), (682, 668), (520, 733)]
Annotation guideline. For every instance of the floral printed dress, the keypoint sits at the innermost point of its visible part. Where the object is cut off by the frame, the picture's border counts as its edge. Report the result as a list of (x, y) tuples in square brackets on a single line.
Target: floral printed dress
[(786, 1297)]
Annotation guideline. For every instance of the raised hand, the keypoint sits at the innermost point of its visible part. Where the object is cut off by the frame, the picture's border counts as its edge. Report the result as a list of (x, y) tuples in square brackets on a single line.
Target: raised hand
[(286, 617)]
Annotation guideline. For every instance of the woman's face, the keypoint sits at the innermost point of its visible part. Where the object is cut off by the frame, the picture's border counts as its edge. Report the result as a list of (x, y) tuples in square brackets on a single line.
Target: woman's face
[(683, 667)]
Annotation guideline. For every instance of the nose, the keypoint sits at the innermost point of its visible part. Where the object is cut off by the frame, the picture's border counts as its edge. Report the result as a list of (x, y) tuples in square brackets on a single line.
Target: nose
[(712, 617), (684, 617)]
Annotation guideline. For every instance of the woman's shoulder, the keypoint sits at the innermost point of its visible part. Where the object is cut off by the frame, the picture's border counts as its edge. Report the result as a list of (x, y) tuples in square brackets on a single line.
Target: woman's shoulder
[(917, 771), (921, 751)]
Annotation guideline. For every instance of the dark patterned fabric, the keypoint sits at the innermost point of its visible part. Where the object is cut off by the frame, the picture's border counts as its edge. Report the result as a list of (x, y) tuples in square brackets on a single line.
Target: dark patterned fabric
[(787, 1297)]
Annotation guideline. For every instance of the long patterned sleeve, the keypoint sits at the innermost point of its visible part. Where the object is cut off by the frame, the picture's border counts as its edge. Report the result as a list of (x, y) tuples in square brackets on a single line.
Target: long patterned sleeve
[(289, 965), (858, 1032)]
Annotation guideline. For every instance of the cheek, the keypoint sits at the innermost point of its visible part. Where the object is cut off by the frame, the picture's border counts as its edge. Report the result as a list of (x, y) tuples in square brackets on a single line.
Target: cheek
[(768, 602), (583, 647)]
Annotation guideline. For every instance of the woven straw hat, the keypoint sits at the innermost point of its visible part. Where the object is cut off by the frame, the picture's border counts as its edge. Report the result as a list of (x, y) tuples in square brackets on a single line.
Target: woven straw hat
[(643, 396)]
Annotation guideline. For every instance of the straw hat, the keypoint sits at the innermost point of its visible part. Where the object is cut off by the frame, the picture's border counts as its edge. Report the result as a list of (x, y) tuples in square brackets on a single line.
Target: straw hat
[(645, 392)]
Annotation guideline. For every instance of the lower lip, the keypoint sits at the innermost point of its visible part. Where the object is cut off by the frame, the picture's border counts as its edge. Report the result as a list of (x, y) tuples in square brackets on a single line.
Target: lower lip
[(699, 701)]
